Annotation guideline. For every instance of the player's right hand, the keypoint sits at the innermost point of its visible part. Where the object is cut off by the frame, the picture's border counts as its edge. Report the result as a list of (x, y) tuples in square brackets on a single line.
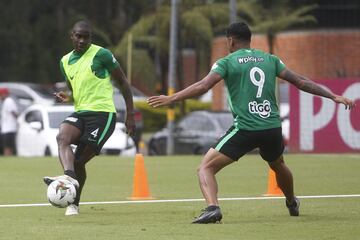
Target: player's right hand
[(158, 101), (61, 97)]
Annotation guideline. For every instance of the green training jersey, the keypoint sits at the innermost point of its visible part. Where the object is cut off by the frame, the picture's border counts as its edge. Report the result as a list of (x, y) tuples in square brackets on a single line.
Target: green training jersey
[(250, 78), (89, 77)]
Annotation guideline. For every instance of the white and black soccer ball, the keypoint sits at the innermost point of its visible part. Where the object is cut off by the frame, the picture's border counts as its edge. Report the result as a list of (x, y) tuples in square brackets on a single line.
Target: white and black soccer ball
[(61, 193)]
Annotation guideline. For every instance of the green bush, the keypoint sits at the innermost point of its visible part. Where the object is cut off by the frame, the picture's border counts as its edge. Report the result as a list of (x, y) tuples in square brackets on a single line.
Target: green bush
[(156, 119)]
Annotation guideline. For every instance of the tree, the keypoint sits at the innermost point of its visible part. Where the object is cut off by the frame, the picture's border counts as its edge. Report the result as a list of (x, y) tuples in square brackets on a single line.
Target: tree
[(199, 21), (278, 15), (34, 34)]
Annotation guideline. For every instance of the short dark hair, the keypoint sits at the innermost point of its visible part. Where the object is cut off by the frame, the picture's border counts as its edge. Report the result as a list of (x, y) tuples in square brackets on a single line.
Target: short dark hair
[(83, 24), (239, 30)]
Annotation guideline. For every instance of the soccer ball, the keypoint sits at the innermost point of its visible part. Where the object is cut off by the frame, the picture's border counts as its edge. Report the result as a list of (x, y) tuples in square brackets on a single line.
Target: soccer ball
[(61, 193)]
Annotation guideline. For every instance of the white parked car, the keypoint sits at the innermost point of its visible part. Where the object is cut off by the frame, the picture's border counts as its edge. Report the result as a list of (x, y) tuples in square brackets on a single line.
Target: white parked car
[(39, 125), (27, 94)]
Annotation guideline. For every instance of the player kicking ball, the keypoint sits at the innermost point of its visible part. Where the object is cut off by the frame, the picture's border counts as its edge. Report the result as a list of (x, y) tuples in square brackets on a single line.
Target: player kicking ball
[(250, 77), (88, 71)]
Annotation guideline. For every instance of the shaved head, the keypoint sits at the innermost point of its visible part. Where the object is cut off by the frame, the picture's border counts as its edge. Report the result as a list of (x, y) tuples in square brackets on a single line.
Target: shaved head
[(81, 36), (83, 24)]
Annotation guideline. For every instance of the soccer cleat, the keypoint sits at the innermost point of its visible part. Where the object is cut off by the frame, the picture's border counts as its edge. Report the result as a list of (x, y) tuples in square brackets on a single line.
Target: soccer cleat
[(294, 207), (72, 209), (211, 214), (49, 180)]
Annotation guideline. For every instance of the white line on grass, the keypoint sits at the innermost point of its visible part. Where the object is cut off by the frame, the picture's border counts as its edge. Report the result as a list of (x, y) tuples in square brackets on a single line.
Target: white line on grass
[(179, 200)]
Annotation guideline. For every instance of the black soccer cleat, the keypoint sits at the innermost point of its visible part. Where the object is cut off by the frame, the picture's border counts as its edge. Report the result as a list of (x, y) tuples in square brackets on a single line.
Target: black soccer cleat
[(211, 214), (49, 180), (293, 207)]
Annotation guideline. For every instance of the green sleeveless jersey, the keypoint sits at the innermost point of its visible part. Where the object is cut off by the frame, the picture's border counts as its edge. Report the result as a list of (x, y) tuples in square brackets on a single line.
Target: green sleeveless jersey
[(89, 77), (250, 78)]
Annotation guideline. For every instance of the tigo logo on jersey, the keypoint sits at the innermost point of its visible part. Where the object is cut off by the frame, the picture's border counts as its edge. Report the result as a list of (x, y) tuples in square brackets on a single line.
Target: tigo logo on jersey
[(263, 109)]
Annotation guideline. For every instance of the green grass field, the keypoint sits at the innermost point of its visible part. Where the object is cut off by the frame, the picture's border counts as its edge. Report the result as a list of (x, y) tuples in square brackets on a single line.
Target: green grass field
[(111, 179)]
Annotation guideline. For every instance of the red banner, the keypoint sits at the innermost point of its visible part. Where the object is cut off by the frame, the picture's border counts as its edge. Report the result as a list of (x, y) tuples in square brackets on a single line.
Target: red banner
[(319, 125)]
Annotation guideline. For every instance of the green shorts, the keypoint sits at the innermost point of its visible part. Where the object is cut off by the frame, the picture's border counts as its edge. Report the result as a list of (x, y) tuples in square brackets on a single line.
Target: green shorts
[(95, 127), (236, 143)]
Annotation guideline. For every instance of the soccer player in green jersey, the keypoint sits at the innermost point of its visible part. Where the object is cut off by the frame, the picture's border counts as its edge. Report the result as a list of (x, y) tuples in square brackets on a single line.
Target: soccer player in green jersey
[(250, 77), (88, 71)]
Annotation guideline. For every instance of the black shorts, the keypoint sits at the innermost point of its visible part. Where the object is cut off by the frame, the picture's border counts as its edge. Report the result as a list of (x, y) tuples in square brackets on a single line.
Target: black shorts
[(236, 143), (8, 140), (95, 127)]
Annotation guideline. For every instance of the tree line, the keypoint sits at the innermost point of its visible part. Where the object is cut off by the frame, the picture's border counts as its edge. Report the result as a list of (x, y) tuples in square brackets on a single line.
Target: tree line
[(35, 34)]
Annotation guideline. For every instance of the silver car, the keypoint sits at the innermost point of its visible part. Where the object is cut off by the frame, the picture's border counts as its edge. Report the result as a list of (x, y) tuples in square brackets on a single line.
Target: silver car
[(193, 134)]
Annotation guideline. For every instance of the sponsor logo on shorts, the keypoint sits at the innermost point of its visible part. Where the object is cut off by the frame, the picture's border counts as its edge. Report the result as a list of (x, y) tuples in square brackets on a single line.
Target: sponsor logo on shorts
[(71, 119), (263, 109)]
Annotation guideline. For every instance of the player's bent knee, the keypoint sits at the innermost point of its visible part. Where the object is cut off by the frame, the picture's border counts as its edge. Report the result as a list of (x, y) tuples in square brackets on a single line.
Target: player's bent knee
[(278, 162), (62, 139)]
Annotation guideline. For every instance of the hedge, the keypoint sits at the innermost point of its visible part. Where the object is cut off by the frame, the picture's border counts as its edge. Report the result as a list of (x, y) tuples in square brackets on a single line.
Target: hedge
[(155, 118)]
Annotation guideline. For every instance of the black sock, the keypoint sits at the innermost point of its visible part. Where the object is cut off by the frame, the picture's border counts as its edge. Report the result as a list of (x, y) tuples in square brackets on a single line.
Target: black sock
[(70, 173), (291, 204), (212, 207)]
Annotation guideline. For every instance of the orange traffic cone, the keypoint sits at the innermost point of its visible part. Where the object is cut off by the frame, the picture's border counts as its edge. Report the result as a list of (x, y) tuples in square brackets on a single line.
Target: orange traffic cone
[(140, 187), (273, 188)]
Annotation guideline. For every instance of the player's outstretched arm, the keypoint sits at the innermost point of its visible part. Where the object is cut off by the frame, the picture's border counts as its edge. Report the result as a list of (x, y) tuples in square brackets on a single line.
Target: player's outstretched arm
[(193, 90), (309, 86)]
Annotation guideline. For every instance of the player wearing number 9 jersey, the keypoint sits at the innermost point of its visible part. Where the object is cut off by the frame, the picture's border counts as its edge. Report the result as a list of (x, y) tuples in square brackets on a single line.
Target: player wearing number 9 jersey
[(250, 78)]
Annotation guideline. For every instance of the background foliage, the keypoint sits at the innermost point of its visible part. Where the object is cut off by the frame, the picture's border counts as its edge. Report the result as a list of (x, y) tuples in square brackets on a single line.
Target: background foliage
[(34, 34), (155, 118)]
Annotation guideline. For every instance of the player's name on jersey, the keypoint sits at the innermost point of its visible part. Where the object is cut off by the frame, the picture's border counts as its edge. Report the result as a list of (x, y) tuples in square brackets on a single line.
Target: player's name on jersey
[(250, 59)]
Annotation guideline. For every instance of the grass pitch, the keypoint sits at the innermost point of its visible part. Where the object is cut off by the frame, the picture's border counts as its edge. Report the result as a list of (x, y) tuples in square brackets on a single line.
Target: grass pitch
[(111, 179)]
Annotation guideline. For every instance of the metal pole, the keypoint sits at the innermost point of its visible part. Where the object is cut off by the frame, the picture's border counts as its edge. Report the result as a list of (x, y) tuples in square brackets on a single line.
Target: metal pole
[(232, 11), (129, 57), (232, 19), (172, 75)]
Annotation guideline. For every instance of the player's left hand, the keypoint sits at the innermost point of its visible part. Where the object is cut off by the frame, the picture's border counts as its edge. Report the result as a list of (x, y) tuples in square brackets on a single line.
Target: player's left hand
[(158, 101), (130, 124)]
